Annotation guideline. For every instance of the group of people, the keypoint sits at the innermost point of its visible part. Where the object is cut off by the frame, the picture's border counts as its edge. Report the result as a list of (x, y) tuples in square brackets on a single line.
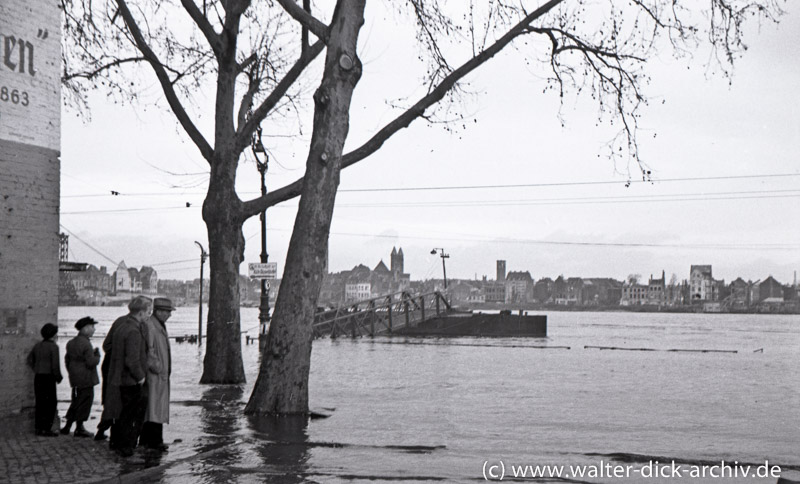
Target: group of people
[(136, 371)]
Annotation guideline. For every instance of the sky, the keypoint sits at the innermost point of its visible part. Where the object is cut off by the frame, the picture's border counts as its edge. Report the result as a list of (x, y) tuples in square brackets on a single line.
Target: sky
[(508, 182)]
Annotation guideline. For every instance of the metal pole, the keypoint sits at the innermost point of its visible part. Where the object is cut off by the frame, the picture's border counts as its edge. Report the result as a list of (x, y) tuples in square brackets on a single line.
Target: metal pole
[(444, 269), (263, 308), (203, 255)]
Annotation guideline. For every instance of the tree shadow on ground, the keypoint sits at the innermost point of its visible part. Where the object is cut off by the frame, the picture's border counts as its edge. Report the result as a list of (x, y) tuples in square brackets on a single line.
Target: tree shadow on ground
[(284, 447)]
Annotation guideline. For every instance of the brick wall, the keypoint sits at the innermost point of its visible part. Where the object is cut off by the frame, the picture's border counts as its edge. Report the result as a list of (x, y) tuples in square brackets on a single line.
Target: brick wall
[(29, 201)]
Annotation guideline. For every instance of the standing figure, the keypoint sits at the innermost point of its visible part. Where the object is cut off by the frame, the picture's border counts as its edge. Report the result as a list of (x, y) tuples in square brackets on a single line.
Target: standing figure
[(159, 368), (112, 407), (126, 392), (81, 361), (44, 360)]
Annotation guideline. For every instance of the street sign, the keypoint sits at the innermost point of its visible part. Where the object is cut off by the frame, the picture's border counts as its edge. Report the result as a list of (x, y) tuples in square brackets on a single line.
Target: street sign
[(267, 270)]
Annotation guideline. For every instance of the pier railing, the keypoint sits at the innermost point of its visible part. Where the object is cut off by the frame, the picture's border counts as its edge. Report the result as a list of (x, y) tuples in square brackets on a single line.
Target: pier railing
[(381, 315)]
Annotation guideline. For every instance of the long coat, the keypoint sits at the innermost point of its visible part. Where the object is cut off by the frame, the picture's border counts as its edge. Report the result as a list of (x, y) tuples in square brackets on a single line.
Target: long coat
[(159, 368), (128, 352), (112, 400), (81, 361)]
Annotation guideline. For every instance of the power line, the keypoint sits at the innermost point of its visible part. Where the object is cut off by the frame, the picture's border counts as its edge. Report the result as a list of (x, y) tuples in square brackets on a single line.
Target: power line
[(472, 187), (559, 184), (87, 244), (173, 262), (177, 269), (781, 247), (481, 238), (129, 210), (688, 197), (676, 197)]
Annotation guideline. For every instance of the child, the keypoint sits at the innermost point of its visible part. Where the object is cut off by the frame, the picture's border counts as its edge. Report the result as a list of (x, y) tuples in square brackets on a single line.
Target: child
[(81, 360), (44, 360)]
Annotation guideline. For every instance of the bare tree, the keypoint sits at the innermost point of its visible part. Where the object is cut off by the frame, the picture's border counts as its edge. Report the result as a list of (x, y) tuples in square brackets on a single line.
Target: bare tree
[(596, 48)]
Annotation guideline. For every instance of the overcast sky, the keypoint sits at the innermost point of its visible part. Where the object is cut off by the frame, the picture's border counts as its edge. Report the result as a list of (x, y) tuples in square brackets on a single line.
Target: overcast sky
[(725, 190)]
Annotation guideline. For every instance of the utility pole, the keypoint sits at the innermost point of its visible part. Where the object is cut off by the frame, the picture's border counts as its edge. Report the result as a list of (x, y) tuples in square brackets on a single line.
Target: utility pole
[(443, 256), (263, 308), (203, 255)]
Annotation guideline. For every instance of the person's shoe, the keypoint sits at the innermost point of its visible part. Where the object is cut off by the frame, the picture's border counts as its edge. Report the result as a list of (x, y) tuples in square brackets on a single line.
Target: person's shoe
[(124, 451), (64, 431), (100, 436), (81, 433), (158, 447)]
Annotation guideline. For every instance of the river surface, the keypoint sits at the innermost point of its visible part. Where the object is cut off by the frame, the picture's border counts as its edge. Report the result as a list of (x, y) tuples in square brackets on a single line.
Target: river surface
[(436, 409)]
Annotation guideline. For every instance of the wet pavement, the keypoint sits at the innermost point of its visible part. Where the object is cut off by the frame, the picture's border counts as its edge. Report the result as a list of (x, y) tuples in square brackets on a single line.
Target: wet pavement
[(29, 458), (208, 449)]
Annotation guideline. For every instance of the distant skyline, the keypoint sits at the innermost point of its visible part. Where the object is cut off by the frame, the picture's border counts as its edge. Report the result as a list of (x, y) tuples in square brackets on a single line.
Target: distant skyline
[(643, 277), (726, 176)]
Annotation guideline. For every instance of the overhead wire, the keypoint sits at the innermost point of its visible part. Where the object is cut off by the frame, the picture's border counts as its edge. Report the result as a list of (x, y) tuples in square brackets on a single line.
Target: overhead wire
[(90, 246), (478, 187), (561, 184), (685, 197), (656, 198), (479, 238)]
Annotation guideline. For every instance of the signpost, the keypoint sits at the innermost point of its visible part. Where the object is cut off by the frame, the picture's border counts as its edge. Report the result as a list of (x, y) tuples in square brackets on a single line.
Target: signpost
[(268, 270)]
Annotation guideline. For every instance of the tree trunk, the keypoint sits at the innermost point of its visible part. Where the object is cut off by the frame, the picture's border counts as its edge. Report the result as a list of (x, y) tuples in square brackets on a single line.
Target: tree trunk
[(222, 213), (282, 385)]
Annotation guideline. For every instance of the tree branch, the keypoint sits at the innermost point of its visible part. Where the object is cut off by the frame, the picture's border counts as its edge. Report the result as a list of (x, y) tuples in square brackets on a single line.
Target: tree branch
[(204, 25), (247, 100), (97, 71), (166, 85), (246, 130), (246, 63), (438, 93), (306, 19), (293, 190)]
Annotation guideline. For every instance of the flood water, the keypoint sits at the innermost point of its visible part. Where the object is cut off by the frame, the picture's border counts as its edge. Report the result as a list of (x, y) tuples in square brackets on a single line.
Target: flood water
[(421, 410)]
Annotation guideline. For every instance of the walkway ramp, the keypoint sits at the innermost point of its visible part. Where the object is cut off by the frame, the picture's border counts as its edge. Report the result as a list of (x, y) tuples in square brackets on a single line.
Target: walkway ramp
[(381, 315)]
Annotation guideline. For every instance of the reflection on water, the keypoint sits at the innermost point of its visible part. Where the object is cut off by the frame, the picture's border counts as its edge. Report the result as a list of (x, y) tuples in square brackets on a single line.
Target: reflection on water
[(282, 444), (436, 409), (220, 413)]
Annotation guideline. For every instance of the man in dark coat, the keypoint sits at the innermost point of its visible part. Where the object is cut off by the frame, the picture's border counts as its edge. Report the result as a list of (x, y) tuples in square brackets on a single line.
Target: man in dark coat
[(81, 361), (44, 361), (126, 393)]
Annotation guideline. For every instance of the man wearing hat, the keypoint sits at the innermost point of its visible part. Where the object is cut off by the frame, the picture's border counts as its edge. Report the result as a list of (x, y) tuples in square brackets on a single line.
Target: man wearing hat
[(44, 361), (81, 360), (125, 400), (159, 367)]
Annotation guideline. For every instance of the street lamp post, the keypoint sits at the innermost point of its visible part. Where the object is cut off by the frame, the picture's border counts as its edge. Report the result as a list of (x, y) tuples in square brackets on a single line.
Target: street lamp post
[(263, 308), (443, 256), (203, 255)]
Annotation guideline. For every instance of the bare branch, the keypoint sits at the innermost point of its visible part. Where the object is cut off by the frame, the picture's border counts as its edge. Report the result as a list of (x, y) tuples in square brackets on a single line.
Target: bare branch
[(247, 100), (438, 93), (99, 70), (245, 131), (247, 62), (166, 85), (404, 120), (204, 25), (305, 19)]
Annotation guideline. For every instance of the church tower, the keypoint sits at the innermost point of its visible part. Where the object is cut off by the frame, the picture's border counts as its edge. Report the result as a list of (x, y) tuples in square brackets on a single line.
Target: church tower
[(397, 260)]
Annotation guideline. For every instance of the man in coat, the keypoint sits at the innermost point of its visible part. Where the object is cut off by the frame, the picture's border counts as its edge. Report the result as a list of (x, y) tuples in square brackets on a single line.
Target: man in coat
[(81, 361), (126, 392), (159, 368)]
